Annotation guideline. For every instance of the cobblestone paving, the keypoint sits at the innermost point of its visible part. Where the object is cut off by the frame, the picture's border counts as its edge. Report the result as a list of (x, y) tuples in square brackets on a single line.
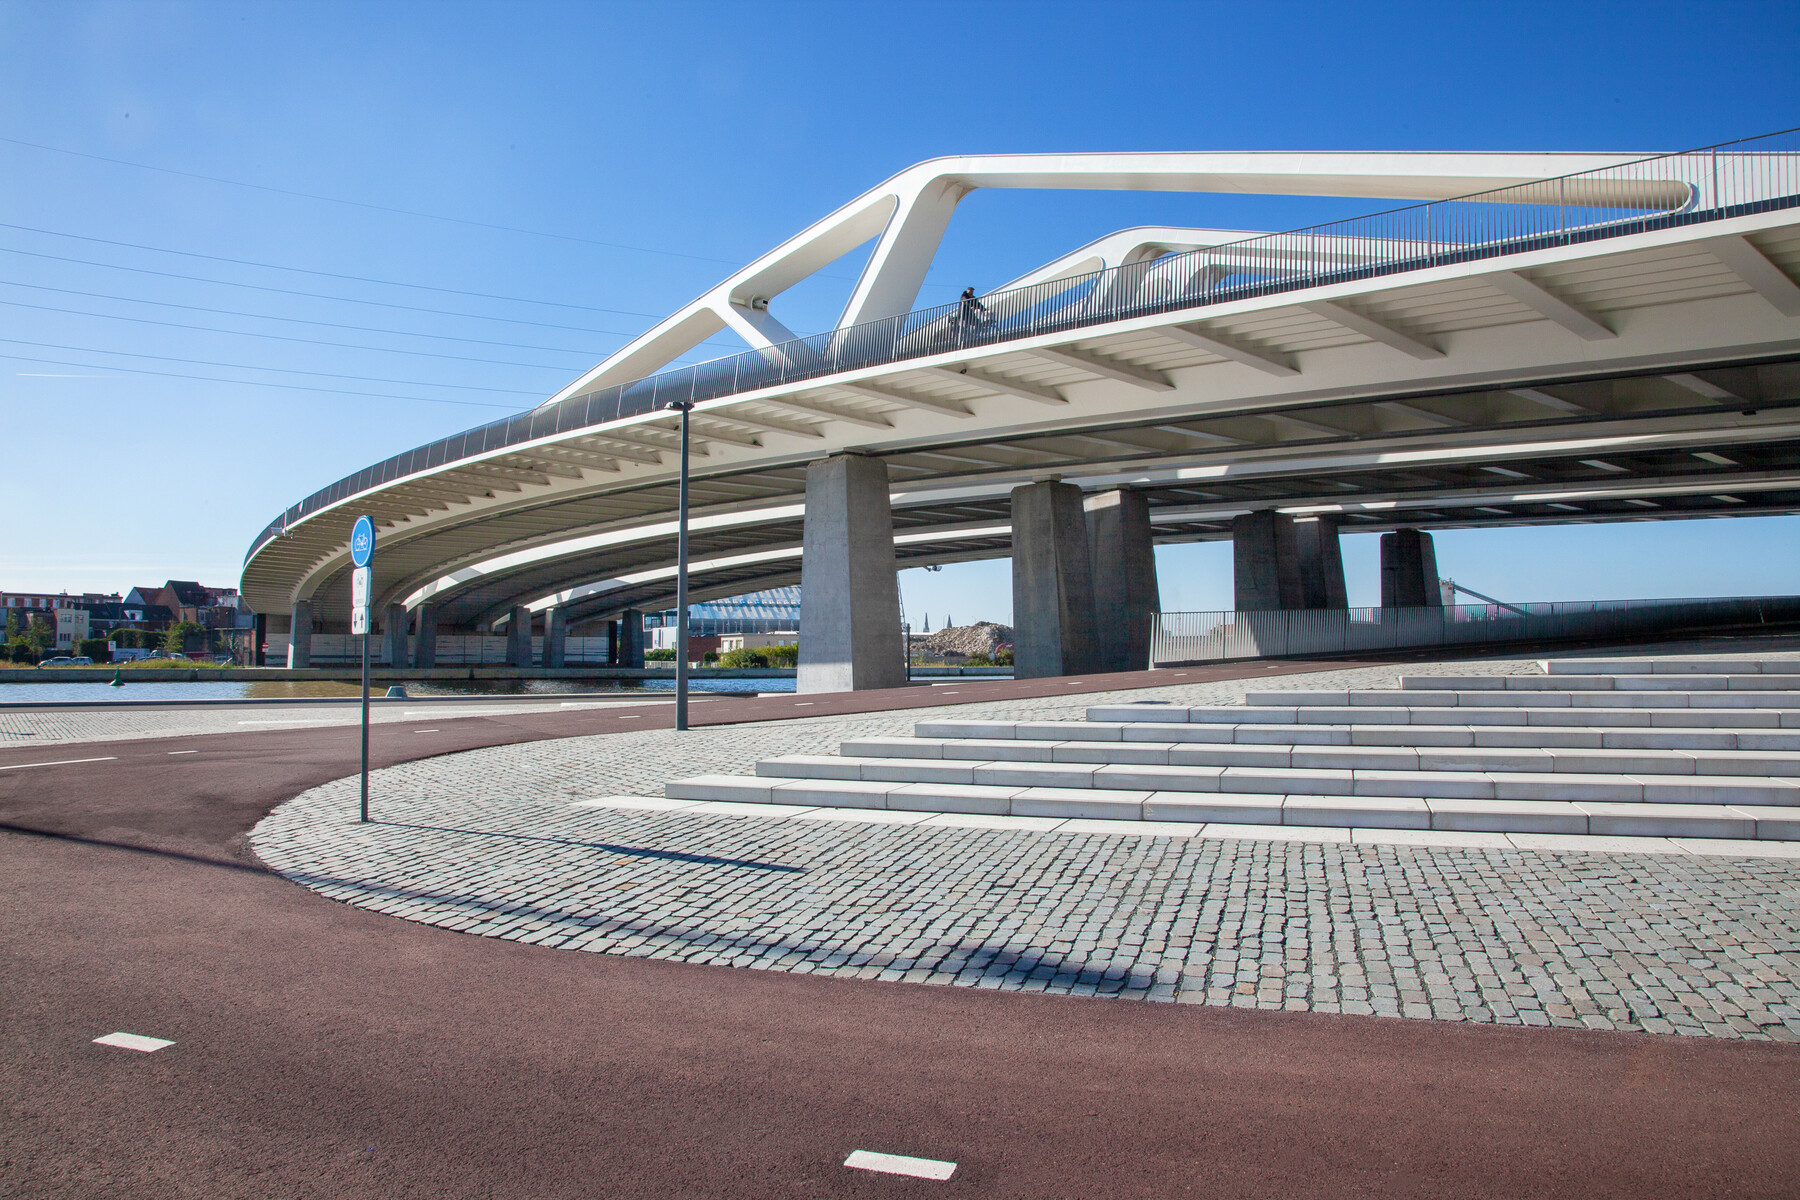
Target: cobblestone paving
[(494, 842)]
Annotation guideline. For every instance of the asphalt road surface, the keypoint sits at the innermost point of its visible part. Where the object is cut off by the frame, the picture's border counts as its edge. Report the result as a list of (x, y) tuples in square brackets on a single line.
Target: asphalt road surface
[(323, 1051)]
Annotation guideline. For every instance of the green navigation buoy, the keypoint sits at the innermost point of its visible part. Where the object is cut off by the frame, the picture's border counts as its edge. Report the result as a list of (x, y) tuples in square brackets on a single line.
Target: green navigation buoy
[(116, 681)]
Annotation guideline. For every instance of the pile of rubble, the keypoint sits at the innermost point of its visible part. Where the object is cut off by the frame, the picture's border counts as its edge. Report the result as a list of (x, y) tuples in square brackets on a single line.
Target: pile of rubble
[(983, 637)]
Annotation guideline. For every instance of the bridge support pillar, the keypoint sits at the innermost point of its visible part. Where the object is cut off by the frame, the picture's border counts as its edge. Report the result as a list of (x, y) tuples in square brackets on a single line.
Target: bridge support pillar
[(850, 597), (1265, 563), (1409, 577), (1053, 583), (1321, 563), (393, 633), (556, 635), (300, 636), (629, 643), (425, 639), (518, 637), (1124, 569)]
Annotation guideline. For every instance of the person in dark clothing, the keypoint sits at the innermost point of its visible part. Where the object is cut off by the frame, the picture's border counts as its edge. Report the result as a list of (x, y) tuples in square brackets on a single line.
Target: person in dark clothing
[(973, 314)]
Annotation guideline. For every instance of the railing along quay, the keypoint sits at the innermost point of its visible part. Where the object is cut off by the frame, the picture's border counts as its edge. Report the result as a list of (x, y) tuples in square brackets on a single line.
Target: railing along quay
[(1179, 639), (1732, 179)]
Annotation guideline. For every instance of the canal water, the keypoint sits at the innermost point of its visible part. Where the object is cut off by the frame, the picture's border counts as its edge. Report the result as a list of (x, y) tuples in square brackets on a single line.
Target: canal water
[(42, 693)]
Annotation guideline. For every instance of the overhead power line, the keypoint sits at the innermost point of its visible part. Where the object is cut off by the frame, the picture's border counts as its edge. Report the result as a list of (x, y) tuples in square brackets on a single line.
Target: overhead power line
[(245, 262), (203, 362), (261, 287), (286, 387), (232, 312), (228, 312), (76, 312), (404, 212)]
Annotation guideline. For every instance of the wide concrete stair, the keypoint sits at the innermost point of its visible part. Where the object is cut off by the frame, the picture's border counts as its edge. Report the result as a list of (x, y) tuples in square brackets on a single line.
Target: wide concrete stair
[(1703, 748)]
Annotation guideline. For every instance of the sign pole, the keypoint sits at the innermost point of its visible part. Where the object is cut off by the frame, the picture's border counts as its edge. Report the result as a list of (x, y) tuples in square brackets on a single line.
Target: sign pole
[(365, 728), (684, 407), (362, 595)]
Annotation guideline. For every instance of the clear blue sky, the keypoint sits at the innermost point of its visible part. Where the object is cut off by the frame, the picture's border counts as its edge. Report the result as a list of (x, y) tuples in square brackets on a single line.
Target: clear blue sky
[(648, 149)]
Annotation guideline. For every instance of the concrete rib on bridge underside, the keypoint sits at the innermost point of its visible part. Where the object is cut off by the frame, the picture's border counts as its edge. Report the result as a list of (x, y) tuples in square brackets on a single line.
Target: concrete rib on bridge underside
[(1475, 393)]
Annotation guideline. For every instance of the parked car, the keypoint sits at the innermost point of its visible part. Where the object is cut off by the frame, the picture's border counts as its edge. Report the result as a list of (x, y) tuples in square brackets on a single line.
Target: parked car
[(81, 660), (60, 661)]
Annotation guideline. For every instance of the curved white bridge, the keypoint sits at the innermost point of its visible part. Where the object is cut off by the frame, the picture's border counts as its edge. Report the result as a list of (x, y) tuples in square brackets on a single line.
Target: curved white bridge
[(1545, 338)]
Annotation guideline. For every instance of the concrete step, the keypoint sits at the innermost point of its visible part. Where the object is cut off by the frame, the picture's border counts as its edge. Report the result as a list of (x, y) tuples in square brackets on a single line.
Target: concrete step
[(1397, 756), (1600, 683), (1671, 666), (1386, 774), (927, 744), (1308, 809), (1743, 720), (1403, 699)]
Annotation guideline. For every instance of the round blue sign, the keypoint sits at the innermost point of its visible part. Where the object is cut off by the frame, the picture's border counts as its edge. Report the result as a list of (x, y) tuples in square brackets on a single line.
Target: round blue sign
[(362, 541)]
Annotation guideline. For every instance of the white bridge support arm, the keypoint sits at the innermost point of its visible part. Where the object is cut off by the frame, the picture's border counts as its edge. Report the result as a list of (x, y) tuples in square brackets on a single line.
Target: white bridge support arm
[(910, 212)]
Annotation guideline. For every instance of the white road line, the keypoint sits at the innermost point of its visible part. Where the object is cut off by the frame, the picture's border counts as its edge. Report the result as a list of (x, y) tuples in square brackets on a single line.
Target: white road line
[(289, 721), (61, 762), (460, 712), (804, 703), (184, 752), (900, 1164), (427, 731), (133, 1041), (631, 716)]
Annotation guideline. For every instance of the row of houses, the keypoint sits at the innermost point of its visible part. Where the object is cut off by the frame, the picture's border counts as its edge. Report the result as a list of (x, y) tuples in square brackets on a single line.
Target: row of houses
[(148, 608)]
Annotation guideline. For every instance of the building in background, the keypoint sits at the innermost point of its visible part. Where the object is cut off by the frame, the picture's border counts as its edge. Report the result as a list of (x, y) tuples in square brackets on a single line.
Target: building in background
[(72, 628), (776, 611)]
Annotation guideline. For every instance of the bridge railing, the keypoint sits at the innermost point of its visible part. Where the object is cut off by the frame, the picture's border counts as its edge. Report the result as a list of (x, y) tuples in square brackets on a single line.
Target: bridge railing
[(1179, 638), (1709, 184)]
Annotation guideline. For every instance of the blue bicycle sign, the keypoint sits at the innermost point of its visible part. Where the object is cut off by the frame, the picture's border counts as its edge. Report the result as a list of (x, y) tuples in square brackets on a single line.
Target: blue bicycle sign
[(362, 541)]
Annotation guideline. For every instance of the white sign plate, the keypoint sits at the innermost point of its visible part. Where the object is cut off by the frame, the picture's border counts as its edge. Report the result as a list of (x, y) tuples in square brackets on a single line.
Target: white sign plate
[(359, 619), (362, 582)]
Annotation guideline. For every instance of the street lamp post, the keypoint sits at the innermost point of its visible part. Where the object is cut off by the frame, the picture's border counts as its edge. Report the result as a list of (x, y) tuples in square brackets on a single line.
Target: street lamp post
[(684, 407)]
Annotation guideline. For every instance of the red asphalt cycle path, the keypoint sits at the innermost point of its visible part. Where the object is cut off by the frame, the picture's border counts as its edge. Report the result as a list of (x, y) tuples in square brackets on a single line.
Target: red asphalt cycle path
[(326, 1051)]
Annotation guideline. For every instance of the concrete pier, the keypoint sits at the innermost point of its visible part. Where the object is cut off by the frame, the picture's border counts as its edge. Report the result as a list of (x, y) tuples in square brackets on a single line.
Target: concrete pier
[(1124, 570), (1409, 577), (300, 636), (1321, 563), (1053, 583), (631, 639), (518, 637), (850, 608), (425, 639), (1265, 563), (556, 632), (393, 635)]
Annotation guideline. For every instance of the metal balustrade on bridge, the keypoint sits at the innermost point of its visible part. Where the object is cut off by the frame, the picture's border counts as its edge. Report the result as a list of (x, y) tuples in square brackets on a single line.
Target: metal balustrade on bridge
[(1179, 638)]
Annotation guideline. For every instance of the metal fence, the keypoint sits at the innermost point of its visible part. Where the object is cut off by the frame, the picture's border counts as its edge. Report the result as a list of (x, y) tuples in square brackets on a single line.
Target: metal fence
[(452, 650), (1731, 179), (1195, 637)]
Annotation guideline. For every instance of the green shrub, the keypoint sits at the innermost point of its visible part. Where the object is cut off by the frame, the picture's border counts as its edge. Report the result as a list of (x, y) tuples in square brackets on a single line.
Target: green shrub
[(742, 658), (94, 648), (1004, 658), (177, 635), (978, 660), (659, 655), (22, 651), (787, 654)]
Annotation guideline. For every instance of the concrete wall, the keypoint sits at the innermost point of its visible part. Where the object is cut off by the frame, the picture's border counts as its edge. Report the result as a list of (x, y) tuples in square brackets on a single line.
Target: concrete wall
[(1409, 577)]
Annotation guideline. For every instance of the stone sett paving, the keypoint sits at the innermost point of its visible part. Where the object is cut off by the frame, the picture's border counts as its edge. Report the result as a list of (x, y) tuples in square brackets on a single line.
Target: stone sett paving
[(491, 842)]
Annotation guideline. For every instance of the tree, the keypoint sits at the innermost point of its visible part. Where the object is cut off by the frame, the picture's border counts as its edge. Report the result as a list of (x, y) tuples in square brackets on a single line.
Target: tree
[(12, 625), (175, 640)]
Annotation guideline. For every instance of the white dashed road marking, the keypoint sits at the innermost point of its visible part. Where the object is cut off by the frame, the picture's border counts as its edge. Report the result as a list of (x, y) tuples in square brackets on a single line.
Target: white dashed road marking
[(184, 752), (427, 731), (133, 1041), (900, 1164), (289, 721), (61, 762)]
